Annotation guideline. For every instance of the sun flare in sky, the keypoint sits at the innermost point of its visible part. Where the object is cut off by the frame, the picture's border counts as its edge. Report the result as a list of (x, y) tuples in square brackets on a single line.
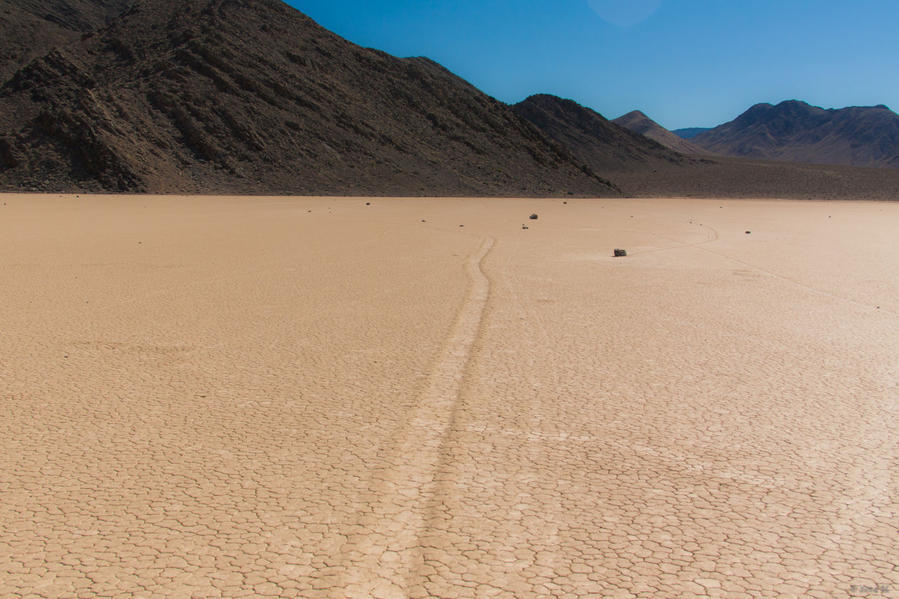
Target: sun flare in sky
[(625, 13)]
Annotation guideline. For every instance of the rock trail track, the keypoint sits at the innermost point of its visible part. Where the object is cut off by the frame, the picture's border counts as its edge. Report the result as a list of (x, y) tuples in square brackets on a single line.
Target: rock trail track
[(382, 557)]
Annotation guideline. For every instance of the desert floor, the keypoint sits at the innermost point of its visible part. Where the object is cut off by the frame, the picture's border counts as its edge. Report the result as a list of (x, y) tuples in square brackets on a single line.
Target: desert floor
[(277, 397)]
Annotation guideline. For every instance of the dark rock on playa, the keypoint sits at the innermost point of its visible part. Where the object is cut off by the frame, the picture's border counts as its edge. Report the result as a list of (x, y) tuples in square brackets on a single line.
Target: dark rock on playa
[(620, 253)]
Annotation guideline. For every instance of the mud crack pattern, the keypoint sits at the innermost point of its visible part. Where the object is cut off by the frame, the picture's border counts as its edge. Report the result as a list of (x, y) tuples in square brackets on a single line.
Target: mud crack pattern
[(341, 398)]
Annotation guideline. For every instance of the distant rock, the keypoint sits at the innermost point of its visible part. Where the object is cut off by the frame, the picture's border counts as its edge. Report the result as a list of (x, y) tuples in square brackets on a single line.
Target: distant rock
[(620, 253)]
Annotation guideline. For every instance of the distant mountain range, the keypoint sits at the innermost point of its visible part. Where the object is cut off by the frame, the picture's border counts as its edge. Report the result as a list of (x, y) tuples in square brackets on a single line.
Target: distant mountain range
[(251, 96), (690, 132), (792, 131), (798, 132)]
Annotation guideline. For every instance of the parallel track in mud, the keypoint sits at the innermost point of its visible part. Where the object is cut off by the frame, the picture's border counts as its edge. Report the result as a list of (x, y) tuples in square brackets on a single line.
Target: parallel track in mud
[(379, 562)]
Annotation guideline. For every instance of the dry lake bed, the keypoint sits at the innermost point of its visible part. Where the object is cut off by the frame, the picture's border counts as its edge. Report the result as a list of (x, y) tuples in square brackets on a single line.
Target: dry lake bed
[(369, 397)]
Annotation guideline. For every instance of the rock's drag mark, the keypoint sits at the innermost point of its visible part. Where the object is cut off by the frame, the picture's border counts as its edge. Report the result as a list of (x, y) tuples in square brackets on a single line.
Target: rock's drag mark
[(382, 554)]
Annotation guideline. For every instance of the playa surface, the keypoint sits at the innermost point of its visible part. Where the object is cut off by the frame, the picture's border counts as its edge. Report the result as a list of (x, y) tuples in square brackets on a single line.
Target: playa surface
[(278, 397)]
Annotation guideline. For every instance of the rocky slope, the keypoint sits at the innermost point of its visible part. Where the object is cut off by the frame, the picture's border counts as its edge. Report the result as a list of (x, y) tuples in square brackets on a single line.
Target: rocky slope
[(598, 142), (252, 96), (796, 131), (638, 122), (31, 28)]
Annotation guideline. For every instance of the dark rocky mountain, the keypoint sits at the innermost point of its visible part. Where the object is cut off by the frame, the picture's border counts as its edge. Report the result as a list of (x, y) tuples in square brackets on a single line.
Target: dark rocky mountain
[(31, 28), (599, 143), (251, 96), (798, 132), (690, 132), (638, 122)]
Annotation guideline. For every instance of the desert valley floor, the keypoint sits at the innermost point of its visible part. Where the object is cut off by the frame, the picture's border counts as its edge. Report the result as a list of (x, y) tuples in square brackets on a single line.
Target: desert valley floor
[(324, 397)]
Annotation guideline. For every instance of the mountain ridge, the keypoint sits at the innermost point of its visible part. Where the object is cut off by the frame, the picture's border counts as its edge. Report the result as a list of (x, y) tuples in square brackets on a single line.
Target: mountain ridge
[(638, 122), (599, 143), (797, 131), (239, 96), (689, 132)]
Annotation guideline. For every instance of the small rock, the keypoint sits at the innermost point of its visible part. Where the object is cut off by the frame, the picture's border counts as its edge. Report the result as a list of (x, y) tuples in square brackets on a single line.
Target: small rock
[(461, 225), (534, 217), (524, 227), (749, 232), (368, 203), (620, 253)]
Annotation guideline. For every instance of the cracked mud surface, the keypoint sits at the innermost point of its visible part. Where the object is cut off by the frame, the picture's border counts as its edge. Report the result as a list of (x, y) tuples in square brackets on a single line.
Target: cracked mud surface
[(223, 397)]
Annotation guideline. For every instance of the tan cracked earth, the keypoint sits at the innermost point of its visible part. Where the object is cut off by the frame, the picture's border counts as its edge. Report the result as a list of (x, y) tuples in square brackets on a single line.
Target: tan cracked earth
[(274, 397)]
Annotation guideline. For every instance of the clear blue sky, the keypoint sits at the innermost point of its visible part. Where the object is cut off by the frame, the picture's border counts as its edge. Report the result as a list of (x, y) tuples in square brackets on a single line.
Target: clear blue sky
[(683, 62)]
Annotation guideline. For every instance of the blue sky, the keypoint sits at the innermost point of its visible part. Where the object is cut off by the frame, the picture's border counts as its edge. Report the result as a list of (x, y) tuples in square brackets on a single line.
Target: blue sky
[(683, 62)]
